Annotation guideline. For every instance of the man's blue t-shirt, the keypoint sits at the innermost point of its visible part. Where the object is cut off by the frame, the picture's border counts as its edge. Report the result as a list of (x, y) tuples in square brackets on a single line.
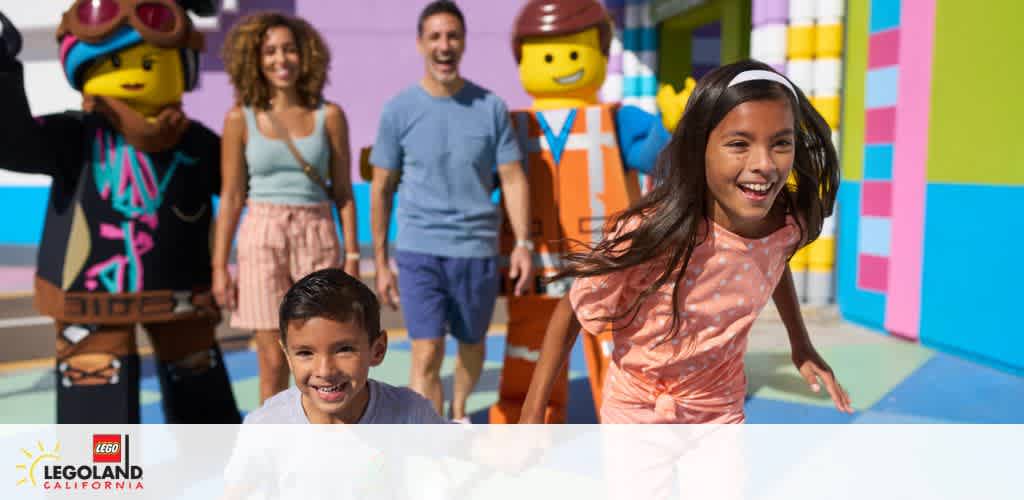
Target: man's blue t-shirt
[(448, 149)]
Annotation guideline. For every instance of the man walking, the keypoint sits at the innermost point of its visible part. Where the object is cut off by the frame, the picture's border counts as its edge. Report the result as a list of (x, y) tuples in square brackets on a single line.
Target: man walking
[(443, 137)]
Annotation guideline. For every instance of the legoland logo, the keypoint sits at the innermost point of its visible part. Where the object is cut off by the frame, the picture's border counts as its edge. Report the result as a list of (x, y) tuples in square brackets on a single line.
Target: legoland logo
[(107, 449)]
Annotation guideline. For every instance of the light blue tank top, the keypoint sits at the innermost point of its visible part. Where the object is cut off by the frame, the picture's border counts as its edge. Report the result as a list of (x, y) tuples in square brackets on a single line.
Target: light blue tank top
[(274, 174)]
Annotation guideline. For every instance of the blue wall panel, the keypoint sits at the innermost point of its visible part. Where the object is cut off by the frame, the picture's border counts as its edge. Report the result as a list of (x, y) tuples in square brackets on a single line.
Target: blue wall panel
[(860, 306), (972, 273), (24, 208)]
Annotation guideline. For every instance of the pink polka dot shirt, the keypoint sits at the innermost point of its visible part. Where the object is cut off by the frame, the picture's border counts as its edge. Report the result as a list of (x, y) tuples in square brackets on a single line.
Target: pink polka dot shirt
[(696, 375)]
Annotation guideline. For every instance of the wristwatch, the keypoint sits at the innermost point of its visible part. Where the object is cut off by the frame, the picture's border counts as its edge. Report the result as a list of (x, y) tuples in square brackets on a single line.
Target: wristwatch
[(528, 244)]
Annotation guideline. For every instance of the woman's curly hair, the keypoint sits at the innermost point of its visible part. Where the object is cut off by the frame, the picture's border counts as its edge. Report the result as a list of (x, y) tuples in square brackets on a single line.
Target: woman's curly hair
[(242, 59)]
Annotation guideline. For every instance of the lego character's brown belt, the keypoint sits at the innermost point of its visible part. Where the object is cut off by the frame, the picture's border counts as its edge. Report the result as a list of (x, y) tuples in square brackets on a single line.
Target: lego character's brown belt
[(122, 308)]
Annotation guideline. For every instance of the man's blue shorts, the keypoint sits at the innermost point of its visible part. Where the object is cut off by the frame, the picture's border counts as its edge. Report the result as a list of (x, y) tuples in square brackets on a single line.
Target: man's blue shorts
[(439, 294)]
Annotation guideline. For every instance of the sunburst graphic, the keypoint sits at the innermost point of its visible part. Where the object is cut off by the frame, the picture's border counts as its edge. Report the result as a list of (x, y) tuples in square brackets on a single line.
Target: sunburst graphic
[(34, 460)]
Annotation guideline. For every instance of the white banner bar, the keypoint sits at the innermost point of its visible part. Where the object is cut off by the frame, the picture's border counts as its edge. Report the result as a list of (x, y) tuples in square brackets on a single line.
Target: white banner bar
[(514, 462)]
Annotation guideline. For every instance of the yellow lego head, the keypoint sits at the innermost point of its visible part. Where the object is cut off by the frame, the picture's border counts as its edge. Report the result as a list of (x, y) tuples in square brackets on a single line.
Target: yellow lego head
[(561, 47), (562, 66), (144, 76)]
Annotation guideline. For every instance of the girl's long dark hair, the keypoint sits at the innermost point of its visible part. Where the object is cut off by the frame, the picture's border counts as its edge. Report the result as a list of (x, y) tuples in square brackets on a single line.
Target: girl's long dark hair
[(665, 224)]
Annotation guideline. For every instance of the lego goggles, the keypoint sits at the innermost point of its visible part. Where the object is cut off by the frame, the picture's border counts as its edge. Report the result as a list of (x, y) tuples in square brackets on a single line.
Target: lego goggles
[(162, 23)]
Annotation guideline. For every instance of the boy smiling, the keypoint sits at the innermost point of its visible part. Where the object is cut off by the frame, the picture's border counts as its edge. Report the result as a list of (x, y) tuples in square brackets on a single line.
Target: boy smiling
[(331, 335)]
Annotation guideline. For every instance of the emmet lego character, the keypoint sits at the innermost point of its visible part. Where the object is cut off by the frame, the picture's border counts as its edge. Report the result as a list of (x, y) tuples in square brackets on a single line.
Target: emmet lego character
[(582, 161), (126, 238)]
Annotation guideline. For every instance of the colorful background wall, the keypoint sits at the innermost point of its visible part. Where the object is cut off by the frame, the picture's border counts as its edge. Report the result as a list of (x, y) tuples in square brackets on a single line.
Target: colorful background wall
[(373, 57), (656, 42), (923, 94), (930, 228), (804, 40)]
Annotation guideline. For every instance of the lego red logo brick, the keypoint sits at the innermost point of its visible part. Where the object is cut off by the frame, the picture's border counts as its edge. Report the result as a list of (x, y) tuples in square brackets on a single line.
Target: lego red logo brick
[(106, 448)]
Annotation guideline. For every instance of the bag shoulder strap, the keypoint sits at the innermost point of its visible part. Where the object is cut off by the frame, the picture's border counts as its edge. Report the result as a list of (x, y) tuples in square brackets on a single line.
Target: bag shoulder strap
[(306, 167)]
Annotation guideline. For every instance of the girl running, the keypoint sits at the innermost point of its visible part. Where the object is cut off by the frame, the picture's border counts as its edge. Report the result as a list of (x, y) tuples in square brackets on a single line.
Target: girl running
[(682, 275)]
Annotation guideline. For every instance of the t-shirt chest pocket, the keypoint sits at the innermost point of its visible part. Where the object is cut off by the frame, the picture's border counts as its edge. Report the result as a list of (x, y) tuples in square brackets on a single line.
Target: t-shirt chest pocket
[(470, 148), (427, 168)]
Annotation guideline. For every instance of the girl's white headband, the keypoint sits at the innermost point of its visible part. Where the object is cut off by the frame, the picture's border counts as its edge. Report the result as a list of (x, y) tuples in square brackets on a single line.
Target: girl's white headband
[(760, 74)]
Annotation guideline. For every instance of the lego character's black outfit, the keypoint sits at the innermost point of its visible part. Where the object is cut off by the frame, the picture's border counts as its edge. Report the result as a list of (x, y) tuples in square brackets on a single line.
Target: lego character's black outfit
[(126, 242)]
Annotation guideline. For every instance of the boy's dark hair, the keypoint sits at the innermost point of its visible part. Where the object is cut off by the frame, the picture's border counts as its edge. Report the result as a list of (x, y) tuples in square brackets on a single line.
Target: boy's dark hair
[(440, 7), (334, 295)]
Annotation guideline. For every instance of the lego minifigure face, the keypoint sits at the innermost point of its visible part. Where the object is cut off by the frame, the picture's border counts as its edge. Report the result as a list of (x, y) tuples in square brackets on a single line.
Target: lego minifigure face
[(144, 76), (562, 65)]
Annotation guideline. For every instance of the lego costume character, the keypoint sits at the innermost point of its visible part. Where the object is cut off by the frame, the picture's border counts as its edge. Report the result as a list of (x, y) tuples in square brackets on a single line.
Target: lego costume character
[(126, 238), (578, 151)]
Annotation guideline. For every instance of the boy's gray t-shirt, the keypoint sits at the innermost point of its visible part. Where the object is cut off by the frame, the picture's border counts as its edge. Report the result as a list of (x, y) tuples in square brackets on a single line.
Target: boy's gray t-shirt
[(448, 149), (387, 405)]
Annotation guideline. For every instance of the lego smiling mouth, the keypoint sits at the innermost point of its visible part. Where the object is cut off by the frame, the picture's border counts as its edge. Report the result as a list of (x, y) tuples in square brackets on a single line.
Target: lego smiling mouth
[(133, 87), (573, 78)]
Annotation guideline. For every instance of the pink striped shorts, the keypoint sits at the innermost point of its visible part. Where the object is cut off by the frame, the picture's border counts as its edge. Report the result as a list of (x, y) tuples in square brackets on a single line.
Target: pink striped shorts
[(277, 245)]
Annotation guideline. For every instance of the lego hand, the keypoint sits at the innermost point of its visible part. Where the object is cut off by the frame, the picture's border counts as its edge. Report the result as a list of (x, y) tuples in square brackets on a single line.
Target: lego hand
[(365, 167), (813, 368), (202, 8), (10, 39), (672, 104), (520, 269)]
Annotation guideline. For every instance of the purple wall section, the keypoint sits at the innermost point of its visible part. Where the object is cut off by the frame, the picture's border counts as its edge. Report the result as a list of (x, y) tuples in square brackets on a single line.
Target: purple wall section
[(374, 56)]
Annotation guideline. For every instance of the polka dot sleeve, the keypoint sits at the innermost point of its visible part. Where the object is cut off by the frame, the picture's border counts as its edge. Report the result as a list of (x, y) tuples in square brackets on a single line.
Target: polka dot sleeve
[(598, 299), (595, 298)]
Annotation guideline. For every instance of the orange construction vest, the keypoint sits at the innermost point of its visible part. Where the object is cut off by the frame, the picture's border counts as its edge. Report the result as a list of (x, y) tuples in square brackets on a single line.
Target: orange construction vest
[(577, 181)]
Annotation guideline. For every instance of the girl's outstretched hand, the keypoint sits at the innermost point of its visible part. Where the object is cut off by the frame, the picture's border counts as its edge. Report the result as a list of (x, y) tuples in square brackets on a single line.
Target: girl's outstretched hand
[(814, 369)]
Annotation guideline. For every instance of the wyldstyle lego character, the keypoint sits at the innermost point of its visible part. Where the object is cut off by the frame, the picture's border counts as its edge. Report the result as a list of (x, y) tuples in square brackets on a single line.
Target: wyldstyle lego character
[(126, 238)]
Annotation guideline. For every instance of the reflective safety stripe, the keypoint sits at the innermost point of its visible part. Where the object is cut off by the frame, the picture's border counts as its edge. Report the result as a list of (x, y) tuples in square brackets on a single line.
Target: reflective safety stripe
[(520, 352)]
